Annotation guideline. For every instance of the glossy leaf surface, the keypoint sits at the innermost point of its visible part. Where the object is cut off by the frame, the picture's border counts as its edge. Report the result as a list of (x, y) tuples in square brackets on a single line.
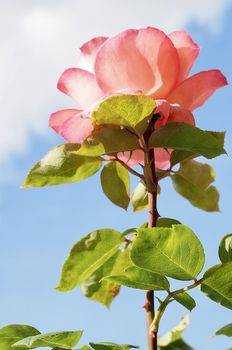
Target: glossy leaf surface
[(87, 255), (135, 277), (101, 290), (178, 156), (115, 183), (12, 333), (139, 197), (108, 139), (62, 165), (131, 111), (226, 330), (61, 339), (181, 136), (225, 248), (217, 284), (179, 344), (193, 181), (186, 300), (175, 252), (167, 222), (112, 346), (174, 334)]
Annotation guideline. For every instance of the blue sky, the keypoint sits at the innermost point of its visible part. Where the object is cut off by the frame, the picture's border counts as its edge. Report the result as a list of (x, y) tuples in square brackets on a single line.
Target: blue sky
[(39, 226)]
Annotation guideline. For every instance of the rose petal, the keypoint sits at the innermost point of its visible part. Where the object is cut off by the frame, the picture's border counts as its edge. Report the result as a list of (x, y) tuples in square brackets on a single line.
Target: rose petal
[(187, 51), (138, 59), (162, 158), (132, 158), (176, 114), (180, 115), (57, 119), (88, 53), (72, 124), (80, 85), (77, 128), (194, 91), (163, 108)]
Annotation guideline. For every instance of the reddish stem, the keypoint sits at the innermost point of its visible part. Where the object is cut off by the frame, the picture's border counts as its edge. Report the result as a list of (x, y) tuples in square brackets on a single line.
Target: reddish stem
[(151, 184)]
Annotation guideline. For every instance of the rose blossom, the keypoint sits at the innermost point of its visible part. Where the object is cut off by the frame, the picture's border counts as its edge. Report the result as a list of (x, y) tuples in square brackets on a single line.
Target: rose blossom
[(145, 60)]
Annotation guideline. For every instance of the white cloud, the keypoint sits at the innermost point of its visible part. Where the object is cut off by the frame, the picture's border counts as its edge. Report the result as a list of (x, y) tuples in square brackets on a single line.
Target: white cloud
[(39, 39)]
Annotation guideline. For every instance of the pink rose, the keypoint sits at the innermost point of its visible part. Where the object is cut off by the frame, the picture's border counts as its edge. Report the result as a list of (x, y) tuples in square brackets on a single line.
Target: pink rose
[(145, 60)]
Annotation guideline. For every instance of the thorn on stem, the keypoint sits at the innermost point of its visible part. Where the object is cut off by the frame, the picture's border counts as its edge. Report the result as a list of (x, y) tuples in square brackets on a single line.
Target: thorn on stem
[(146, 307)]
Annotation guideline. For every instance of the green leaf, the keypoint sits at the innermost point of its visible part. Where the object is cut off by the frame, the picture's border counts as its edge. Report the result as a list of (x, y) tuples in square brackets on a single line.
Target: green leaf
[(186, 300), (193, 180), (186, 137), (129, 231), (85, 347), (104, 291), (112, 346), (139, 197), (219, 135), (134, 277), (130, 111), (179, 344), (108, 140), (87, 255), (62, 165), (13, 333), (115, 183), (225, 248), (144, 225), (217, 284), (167, 222), (180, 156), (226, 330), (60, 339), (162, 222), (175, 252), (174, 334)]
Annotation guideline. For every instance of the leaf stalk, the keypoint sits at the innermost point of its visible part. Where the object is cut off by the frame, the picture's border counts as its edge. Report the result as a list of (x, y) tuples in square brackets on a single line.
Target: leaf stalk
[(157, 318)]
